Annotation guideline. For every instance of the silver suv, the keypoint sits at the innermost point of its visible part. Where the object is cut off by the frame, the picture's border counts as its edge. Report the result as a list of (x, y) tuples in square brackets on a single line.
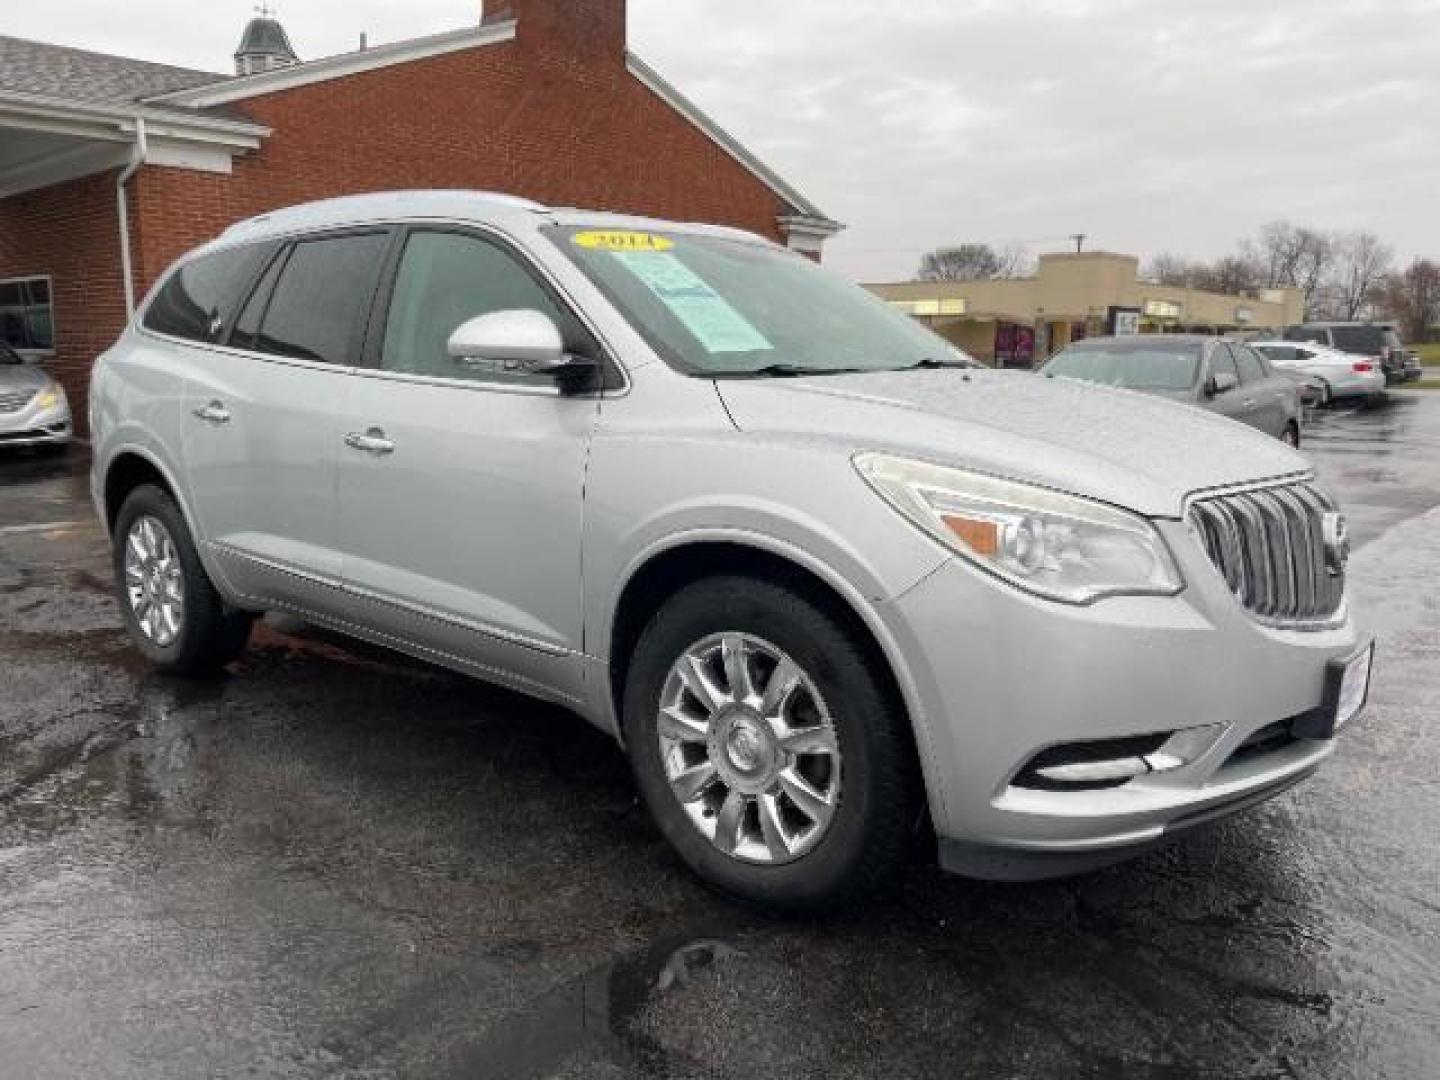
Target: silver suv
[(830, 584)]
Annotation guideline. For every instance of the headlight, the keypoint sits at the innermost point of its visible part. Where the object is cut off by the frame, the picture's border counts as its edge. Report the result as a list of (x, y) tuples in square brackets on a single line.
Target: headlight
[(1058, 546), (51, 396)]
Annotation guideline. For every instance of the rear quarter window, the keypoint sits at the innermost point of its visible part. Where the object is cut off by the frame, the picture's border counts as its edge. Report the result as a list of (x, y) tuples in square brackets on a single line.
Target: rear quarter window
[(199, 301)]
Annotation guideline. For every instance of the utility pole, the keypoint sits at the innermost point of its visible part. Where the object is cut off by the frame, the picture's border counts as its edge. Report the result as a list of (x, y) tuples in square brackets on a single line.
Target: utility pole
[(1079, 239)]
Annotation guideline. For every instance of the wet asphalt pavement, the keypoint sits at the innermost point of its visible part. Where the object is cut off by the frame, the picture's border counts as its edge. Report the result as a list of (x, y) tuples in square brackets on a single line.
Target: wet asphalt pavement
[(335, 863)]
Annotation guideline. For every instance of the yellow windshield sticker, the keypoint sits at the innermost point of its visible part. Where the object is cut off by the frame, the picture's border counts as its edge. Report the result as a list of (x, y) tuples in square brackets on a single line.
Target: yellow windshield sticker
[(622, 241)]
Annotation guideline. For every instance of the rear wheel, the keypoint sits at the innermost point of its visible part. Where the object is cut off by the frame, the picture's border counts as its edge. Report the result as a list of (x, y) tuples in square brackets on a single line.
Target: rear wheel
[(1327, 396), (173, 613), (1291, 435), (767, 747)]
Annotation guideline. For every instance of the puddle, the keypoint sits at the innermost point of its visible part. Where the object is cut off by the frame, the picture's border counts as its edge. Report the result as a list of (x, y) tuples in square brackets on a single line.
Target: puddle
[(595, 1013)]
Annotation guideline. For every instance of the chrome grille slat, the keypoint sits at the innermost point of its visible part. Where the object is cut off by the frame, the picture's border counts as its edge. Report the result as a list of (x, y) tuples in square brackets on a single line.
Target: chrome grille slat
[(15, 400), (1269, 546)]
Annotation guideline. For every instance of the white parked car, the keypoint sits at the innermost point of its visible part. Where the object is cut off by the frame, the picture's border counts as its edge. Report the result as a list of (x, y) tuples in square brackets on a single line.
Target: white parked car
[(1341, 374)]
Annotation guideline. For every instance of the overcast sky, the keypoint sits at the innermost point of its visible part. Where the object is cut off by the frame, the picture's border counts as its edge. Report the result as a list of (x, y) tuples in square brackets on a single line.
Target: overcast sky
[(1151, 125)]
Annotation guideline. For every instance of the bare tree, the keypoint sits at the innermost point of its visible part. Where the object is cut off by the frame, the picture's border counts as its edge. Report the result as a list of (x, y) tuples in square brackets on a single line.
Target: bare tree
[(1015, 261), (1234, 275), (965, 262), (1412, 298), (1290, 257), (1361, 263), (1173, 270)]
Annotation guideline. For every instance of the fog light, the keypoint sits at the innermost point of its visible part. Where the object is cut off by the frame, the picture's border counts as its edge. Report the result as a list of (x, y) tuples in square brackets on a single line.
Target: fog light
[(1111, 763)]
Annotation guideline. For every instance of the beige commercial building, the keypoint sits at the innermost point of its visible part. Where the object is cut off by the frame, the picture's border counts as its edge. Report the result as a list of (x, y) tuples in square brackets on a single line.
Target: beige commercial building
[(1017, 321)]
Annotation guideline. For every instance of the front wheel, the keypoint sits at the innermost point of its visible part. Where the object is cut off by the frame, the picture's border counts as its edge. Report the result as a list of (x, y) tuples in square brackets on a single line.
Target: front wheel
[(768, 748), (173, 613)]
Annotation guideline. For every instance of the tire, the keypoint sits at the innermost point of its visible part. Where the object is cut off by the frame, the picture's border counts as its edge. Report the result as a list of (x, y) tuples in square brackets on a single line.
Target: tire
[(205, 635), (874, 788), (1327, 395), (1291, 435)]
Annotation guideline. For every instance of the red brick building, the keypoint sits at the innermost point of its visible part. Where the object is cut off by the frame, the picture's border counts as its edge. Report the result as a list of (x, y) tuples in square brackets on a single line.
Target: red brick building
[(110, 168)]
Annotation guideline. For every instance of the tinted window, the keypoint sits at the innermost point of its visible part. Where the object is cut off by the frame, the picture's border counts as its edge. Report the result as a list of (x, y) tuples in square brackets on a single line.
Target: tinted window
[(199, 301), (1368, 340), (1307, 333), (1281, 354), (1222, 362), (447, 279), (322, 299), (1154, 366), (1252, 369), (247, 326), (9, 355)]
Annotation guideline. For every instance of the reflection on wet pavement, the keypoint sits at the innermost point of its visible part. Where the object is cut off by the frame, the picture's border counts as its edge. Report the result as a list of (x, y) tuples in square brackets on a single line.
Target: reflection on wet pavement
[(338, 863)]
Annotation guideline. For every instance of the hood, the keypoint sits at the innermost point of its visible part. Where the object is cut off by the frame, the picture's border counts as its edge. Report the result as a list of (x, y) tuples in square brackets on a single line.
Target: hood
[(1124, 448), (15, 377)]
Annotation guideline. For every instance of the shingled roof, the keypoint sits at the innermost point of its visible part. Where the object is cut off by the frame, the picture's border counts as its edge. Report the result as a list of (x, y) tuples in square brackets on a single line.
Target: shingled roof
[(54, 71)]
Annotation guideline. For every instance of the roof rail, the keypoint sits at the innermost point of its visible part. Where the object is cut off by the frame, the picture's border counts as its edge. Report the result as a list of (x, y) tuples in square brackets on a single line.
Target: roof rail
[(380, 203)]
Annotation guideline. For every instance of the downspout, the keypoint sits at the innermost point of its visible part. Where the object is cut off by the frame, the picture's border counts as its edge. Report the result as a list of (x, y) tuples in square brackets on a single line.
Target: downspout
[(127, 269)]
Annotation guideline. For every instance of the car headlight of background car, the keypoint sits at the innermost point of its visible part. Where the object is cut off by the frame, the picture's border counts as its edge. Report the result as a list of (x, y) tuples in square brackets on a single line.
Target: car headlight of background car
[(52, 397), (1058, 546)]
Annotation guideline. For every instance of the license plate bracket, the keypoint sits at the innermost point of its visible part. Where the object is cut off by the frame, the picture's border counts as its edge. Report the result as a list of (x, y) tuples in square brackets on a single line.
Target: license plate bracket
[(1347, 691)]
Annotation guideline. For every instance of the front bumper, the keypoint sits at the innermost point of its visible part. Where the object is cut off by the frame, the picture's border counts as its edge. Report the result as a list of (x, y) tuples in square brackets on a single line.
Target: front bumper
[(1000, 676), (34, 426)]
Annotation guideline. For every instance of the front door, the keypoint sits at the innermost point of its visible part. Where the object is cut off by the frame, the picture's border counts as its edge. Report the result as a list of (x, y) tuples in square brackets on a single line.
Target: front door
[(1232, 403), (462, 490), (263, 422)]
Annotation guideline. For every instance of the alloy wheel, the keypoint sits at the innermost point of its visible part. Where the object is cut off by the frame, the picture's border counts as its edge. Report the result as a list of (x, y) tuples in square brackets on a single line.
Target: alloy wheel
[(749, 748), (154, 581)]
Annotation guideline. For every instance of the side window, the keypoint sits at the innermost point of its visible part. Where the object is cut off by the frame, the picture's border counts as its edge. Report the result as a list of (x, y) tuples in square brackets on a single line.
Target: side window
[(446, 279), (321, 300), (1283, 354), (1252, 368), (1221, 361), (199, 301)]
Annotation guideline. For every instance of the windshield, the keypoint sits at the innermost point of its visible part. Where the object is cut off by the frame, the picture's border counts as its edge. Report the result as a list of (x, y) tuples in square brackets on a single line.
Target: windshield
[(1371, 340), (717, 307), (1135, 367), (9, 355)]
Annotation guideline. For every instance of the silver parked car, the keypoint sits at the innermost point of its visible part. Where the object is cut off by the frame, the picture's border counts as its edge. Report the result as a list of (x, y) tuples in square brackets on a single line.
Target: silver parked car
[(1226, 377), (33, 408), (823, 578)]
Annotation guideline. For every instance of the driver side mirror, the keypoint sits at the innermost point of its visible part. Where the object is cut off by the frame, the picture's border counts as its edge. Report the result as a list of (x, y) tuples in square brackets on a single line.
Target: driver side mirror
[(514, 343), (1222, 382)]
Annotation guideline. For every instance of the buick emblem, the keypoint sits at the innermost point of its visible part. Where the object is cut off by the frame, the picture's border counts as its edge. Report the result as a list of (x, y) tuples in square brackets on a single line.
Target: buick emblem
[(1337, 543)]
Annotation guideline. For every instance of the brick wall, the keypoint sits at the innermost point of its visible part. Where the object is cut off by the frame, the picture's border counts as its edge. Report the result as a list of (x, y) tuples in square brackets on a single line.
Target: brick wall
[(552, 117), (560, 125), (71, 233)]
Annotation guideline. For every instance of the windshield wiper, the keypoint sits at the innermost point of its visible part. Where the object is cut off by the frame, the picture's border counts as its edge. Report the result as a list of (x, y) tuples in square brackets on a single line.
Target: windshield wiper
[(931, 364), (784, 371)]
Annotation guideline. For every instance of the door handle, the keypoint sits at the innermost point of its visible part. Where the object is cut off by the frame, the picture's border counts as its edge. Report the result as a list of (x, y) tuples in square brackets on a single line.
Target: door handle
[(372, 442), (214, 413)]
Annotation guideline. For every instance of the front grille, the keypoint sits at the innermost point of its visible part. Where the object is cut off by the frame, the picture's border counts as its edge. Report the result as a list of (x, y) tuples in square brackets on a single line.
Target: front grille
[(13, 401), (1270, 547)]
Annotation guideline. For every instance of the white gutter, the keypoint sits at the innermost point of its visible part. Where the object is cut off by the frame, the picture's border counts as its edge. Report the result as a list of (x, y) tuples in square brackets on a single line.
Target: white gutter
[(126, 264)]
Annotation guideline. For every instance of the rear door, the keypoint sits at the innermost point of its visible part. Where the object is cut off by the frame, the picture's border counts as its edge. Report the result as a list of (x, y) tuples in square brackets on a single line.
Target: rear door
[(263, 420), (462, 488)]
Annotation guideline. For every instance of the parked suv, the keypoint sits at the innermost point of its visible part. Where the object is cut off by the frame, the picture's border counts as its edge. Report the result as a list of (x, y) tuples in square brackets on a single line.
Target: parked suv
[(828, 583), (1377, 342)]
